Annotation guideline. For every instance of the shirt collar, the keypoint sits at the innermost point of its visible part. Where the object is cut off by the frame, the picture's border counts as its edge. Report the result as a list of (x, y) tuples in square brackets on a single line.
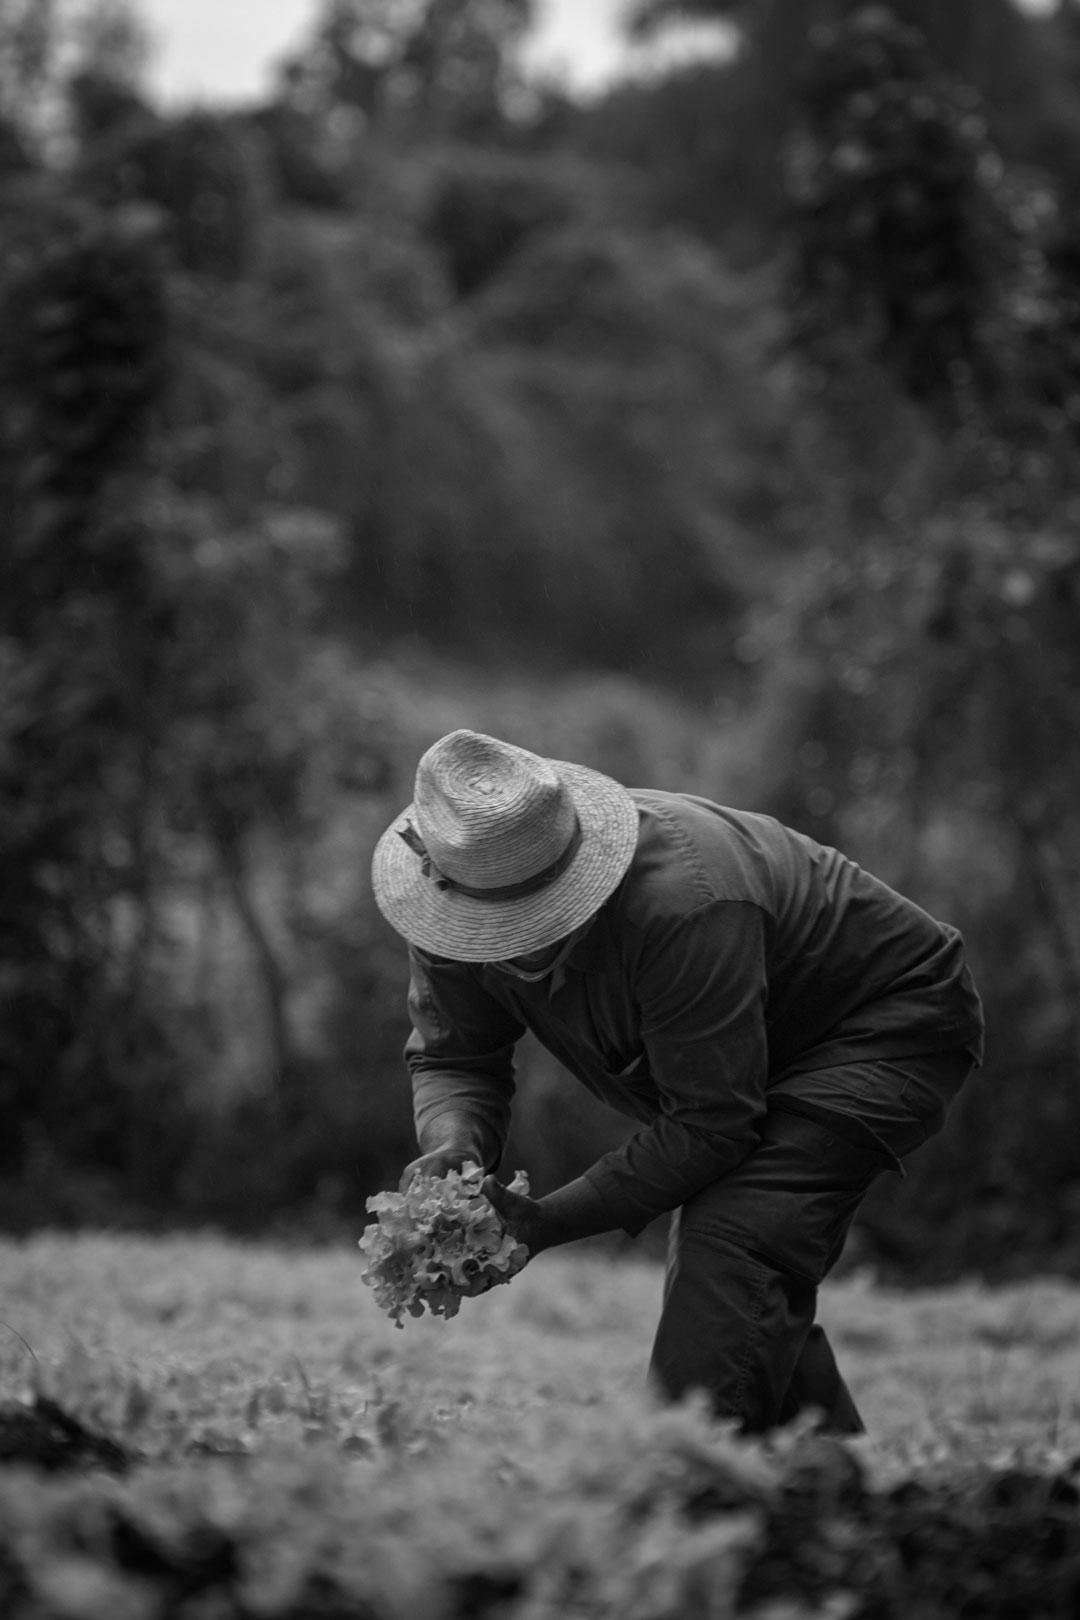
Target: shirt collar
[(583, 956)]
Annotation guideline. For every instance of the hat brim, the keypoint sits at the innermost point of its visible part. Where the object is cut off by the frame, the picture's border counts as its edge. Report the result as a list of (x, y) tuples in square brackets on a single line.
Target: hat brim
[(454, 925)]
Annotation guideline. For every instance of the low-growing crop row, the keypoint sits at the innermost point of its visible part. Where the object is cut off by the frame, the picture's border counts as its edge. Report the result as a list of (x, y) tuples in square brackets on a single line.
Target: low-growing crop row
[(669, 1518), (196, 1431)]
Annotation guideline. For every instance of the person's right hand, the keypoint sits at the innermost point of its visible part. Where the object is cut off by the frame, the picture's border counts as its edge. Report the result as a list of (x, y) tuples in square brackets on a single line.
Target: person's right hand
[(437, 1163)]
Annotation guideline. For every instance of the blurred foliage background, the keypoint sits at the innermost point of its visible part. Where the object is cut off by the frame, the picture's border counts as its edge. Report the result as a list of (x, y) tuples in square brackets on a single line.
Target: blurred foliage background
[(720, 432)]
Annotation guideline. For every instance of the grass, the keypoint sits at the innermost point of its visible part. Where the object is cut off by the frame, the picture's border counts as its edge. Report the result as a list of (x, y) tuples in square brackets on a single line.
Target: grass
[(210, 1333), (271, 1403)]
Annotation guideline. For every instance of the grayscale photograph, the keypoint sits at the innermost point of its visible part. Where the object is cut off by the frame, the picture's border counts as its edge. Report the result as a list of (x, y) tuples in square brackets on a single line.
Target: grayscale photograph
[(539, 809)]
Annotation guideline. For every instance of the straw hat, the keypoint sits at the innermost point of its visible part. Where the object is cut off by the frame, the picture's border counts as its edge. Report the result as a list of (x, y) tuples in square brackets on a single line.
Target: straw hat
[(501, 852)]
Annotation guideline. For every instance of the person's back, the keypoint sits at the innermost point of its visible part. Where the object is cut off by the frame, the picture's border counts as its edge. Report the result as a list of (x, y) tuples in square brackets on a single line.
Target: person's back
[(845, 959)]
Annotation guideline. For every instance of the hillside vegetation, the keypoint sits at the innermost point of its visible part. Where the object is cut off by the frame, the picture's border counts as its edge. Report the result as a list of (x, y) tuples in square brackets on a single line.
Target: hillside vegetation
[(720, 435)]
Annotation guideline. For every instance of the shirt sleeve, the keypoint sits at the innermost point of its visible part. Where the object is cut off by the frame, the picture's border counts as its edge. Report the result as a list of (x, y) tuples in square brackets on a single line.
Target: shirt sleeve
[(700, 986), (460, 1054)]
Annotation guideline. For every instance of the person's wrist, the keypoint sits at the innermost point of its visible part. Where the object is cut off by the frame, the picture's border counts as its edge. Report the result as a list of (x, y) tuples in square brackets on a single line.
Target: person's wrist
[(453, 1133)]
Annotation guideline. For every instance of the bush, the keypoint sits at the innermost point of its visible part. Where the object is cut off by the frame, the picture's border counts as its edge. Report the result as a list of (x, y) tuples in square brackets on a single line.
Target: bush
[(483, 209)]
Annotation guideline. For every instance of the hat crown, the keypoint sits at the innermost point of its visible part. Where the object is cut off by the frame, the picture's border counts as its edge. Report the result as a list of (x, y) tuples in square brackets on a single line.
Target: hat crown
[(490, 813)]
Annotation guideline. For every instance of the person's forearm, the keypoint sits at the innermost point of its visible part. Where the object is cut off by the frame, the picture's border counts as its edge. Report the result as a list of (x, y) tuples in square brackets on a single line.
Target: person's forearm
[(662, 1167), (453, 1103), (573, 1212)]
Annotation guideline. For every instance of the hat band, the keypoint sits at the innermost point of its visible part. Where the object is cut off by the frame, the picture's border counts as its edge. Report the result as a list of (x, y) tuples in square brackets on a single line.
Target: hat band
[(507, 891)]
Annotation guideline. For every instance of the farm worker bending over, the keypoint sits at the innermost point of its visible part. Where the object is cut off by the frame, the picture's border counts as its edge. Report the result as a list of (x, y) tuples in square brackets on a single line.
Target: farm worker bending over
[(784, 1026)]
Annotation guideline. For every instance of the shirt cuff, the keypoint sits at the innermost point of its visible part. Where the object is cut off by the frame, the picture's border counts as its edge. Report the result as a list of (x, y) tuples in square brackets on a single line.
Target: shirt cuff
[(488, 1142)]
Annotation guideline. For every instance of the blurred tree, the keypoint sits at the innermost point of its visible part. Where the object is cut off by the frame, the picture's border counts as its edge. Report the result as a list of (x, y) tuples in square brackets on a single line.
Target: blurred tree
[(583, 408), (84, 337), (485, 206), (711, 137), (981, 42), (56, 53), (203, 172), (157, 730), (427, 64), (85, 354), (704, 151), (306, 168), (112, 50), (715, 137), (29, 50), (901, 231), (112, 40)]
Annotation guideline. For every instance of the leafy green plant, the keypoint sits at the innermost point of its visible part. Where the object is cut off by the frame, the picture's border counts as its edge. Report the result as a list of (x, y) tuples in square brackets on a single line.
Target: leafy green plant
[(437, 1243)]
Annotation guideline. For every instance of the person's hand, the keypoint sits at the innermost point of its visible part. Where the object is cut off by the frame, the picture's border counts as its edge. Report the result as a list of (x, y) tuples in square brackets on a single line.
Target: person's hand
[(522, 1216), (437, 1163)]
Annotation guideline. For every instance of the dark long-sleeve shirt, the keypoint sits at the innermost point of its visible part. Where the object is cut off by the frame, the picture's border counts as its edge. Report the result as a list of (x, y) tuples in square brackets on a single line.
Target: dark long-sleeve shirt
[(734, 954)]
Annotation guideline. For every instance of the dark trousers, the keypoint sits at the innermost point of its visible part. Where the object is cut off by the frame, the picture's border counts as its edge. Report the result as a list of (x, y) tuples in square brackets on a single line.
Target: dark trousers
[(748, 1253)]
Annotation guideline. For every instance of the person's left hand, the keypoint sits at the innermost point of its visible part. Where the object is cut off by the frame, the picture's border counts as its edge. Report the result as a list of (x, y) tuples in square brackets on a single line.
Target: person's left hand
[(522, 1216)]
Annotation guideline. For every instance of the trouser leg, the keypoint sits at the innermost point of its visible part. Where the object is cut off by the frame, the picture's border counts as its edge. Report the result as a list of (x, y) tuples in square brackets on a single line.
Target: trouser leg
[(748, 1253), (741, 1291), (817, 1384)]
